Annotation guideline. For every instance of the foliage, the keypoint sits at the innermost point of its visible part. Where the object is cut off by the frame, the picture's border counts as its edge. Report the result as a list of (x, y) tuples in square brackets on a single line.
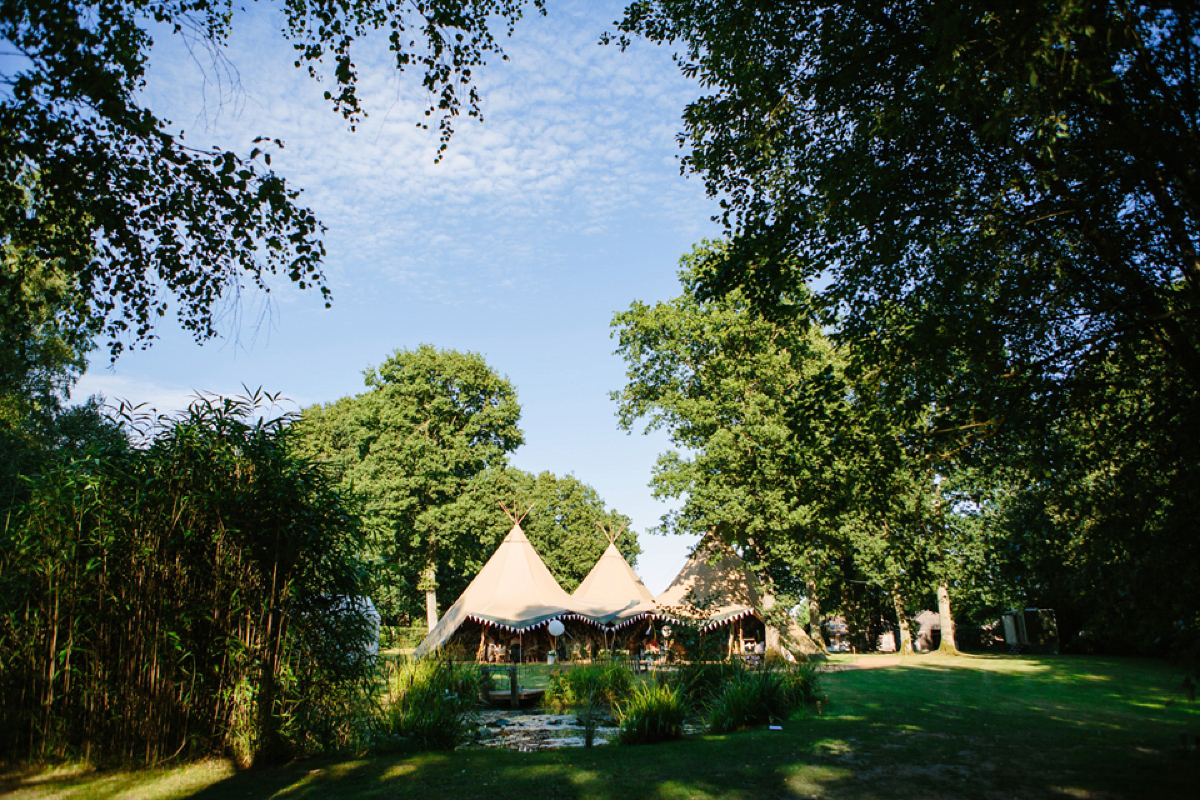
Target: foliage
[(588, 685), (992, 184), (1114, 504), (653, 713), (169, 598), (430, 422), (41, 350), (430, 705), (42, 353), (135, 215), (790, 451), (988, 196), (700, 682), (769, 693)]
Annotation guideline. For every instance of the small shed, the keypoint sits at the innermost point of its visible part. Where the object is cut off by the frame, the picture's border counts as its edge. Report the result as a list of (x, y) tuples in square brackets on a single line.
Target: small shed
[(927, 631)]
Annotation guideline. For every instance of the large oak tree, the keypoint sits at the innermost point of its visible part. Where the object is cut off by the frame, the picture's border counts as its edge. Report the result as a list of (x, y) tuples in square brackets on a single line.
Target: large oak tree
[(999, 205), (430, 422), (785, 451)]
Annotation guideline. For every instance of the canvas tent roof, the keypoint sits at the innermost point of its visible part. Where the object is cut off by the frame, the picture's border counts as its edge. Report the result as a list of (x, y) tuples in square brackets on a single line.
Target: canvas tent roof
[(714, 587), (514, 590), (613, 592)]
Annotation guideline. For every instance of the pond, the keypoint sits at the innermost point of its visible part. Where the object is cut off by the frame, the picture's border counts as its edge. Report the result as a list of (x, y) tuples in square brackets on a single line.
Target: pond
[(536, 730)]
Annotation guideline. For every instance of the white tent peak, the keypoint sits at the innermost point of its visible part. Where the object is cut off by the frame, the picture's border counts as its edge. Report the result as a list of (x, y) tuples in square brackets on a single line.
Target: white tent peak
[(514, 590), (613, 591)]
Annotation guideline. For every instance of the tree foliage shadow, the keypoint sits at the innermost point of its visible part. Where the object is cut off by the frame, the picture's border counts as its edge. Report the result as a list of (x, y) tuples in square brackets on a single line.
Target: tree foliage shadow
[(895, 732)]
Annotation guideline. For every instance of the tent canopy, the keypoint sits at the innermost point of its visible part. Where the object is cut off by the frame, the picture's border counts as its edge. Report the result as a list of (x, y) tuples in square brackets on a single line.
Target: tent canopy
[(714, 586), (612, 592), (514, 590)]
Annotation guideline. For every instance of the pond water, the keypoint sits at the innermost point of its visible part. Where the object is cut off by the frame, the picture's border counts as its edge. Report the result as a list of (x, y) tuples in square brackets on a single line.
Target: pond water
[(536, 730)]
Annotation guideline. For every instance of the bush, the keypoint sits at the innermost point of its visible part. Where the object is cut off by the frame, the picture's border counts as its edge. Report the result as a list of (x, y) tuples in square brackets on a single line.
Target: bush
[(802, 681), (588, 686), (761, 696), (431, 706), (701, 681), (652, 714)]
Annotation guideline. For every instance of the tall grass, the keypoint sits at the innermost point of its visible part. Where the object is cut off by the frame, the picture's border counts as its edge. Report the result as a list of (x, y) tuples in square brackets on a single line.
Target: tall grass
[(165, 599), (701, 681), (588, 686), (653, 713), (770, 693), (430, 705)]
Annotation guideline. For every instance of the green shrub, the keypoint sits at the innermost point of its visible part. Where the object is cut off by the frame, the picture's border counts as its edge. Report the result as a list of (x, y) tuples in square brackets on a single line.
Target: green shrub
[(803, 683), (761, 696), (653, 713), (588, 686), (701, 681), (431, 706)]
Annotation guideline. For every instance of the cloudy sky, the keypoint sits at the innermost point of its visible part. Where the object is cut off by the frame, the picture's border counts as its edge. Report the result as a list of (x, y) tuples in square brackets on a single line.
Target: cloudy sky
[(564, 206)]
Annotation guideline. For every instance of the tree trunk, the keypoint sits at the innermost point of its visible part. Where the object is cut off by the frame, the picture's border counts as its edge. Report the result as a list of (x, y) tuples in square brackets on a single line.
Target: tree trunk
[(948, 644), (429, 584), (905, 647), (814, 615), (772, 641)]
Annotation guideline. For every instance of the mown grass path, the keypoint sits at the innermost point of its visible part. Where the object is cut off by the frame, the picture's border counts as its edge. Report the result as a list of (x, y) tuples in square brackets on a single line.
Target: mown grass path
[(927, 727)]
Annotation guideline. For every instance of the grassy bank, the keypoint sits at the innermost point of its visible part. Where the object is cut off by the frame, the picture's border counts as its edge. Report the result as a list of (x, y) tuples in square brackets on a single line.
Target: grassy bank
[(929, 726)]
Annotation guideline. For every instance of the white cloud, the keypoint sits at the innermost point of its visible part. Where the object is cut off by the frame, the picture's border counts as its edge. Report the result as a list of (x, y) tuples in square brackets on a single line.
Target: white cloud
[(563, 206)]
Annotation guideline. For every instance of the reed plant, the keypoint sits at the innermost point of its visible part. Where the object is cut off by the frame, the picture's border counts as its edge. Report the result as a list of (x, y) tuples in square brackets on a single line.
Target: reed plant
[(592, 685), (431, 705), (700, 682), (163, 593), (770, 693), (653, 713)]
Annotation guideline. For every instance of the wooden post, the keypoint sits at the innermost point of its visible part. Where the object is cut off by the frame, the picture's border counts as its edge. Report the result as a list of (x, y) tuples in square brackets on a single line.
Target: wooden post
[(514, 690)]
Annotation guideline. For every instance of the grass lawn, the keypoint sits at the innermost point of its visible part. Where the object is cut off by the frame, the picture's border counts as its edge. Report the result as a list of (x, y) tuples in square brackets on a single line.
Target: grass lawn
[(927, 727)]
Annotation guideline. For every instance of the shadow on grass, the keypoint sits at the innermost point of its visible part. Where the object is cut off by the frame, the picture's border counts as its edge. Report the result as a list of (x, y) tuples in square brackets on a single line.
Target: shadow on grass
[(1024, 728), (813, 758)]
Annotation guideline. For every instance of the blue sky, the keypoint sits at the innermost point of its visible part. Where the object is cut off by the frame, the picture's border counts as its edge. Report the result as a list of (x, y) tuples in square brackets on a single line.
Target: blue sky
[(564, 206)]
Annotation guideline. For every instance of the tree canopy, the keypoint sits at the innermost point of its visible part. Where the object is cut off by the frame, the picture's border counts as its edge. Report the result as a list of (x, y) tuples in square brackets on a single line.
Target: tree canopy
[(431, 421), (136, 216), (563, 519), (786, 452), (1005, 185), (997, 208)]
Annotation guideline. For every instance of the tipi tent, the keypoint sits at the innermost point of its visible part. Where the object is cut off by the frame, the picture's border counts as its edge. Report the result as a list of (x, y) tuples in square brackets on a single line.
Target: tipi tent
[(612, 592), (714, 587), (514, 591)]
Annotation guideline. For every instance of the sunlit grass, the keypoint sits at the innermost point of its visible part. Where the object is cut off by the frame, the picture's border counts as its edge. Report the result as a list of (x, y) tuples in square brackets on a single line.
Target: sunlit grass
[(923, 726)]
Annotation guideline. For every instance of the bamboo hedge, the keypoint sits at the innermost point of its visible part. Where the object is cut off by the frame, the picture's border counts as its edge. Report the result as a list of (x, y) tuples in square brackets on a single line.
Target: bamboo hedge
[(178, 593)]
